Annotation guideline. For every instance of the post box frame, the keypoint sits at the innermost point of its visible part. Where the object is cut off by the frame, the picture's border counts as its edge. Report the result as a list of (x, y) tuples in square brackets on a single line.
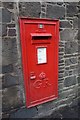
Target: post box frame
[(23, 21)]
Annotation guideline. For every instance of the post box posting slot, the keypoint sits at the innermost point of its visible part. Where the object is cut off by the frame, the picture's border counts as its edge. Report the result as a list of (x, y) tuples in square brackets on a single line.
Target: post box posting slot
[(41, 36)]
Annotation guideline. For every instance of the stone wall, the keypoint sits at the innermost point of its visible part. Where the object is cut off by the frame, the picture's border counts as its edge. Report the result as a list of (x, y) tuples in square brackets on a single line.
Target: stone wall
[(13, 94)]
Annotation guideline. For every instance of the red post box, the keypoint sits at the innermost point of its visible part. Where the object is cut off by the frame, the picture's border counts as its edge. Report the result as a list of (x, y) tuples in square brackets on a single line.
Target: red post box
[(39, 41)]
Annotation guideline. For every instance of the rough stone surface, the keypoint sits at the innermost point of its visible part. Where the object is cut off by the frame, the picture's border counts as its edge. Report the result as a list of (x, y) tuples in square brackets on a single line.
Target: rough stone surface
[(78, 48), (70, 61), (78, 79), (9, 80), (75, 23), (7, 68), (0, 30), (0, 3), (65, 24), (79, 36), (67, 34), (55, 12), (71, 47), (46, 107), (4, 30), (6, 16), (10, 98), (79, 21), (25, 113), (12, 32), (71, 10), (9, 51), (9, 5), (30, 9), (70, 81)]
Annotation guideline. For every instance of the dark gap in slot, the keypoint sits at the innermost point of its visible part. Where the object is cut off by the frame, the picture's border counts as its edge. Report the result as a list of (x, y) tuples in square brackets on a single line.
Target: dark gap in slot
[(41, 37)]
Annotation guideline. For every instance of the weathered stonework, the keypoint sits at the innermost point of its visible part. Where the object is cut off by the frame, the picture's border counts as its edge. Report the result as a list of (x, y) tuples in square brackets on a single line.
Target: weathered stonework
[(30, 9), (56, 12), (72, 9), (14, 105), (6, 15)]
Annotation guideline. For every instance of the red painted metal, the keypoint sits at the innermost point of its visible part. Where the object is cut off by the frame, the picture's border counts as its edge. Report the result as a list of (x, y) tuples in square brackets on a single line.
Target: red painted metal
[(39, 43)]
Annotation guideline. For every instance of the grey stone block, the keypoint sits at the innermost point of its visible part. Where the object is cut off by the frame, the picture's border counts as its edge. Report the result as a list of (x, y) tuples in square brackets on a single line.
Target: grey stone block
[(6, 16), (0, 83), (69, 81), (79, 3), (60, 86), (75, 72), (9, 5), (66, 73), (9, 80), (10, 99), (74, 66), (79, 68), (9, 51), (78, 93), (64, 94), (30, 9), (79, 36), (79, 21), (65, 24), (44, 108), (76, 34), (70, 61), (0, 15), (78, 78), (75, 22), (7, 58), (71, 47), (75, 106), (8, 43), (79, 59), (71, 9), (69, 113), (67, 34), (55, 12), (4, 30), (0, 30), (0, 4), (7, 69), (12, 32), (24, 113)]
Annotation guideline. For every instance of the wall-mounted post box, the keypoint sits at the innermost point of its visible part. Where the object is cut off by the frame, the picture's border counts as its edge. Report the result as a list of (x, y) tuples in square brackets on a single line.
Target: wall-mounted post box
[(39, 43)]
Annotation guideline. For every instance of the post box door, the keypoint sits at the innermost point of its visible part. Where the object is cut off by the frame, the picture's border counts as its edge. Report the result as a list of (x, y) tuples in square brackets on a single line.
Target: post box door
[(39, 41)]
